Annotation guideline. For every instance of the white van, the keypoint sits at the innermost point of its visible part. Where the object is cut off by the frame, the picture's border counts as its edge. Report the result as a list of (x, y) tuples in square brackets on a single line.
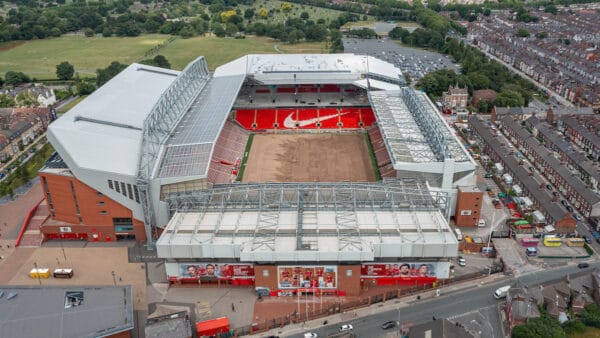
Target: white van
[(501, 292), (458, 234)]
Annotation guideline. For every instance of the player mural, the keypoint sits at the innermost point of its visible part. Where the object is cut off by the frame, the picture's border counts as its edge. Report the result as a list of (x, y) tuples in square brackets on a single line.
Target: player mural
[(291, 277), (405, 270), (212, 270)]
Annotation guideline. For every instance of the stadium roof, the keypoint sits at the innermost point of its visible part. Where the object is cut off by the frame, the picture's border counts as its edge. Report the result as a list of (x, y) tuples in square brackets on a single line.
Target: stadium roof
[(413, 129), (235, 234), (65, 311), (103, 132), (310, 68), (189, 149)]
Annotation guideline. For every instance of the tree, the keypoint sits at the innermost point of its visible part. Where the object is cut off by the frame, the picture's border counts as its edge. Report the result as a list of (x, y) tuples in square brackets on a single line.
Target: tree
[(84, 88), (65, 71), (6, 101), (541, 35), (551, 9), (26, 99), (509, 98), (304, 16), (104, 75), (88, 32), (162, 62), (523, 33), (14, 78)]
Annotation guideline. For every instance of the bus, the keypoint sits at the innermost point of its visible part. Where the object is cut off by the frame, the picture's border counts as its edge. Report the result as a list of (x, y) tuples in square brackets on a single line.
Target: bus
[(521, 222), (552, 241), (575, 242), (529, 242), (62, 273)]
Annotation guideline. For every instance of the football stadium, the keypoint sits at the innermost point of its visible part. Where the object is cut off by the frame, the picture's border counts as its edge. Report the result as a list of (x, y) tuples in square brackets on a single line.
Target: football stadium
[(281, 171)]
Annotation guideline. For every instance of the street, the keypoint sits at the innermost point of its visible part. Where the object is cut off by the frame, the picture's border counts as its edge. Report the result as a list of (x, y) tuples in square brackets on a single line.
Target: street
[(474, 306)]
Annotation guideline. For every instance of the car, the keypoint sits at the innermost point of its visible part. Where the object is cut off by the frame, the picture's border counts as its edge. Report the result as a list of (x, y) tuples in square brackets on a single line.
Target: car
[(564, 202), (388, 325), (555, 193), (583, 265), (346, 327), (586, 239), (548, 186), (468, 239), (461, 261), (598, 240), (488, 175), (578, 217), (310, 335), (569, 208)]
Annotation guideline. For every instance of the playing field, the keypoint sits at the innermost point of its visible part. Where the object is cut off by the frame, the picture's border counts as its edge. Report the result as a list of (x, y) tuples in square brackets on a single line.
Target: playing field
[(308, 158)]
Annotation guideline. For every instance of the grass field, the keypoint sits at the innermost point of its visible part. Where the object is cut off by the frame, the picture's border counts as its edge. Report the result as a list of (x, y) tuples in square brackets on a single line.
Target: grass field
[(222, 50), (38, 58), (590, 332)]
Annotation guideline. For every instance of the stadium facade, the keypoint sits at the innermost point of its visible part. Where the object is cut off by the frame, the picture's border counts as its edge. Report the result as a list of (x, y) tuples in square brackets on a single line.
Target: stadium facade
[(154, 155)]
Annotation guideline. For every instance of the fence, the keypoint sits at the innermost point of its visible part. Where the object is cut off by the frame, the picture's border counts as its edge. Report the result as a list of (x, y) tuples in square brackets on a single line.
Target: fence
[(331, 309)]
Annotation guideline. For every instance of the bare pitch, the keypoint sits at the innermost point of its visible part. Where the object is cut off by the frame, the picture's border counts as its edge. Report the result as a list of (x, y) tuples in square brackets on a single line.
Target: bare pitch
[(308, 158)]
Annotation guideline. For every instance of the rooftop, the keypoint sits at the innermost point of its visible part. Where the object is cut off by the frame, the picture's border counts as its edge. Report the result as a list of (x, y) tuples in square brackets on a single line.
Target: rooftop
[(65, 311)]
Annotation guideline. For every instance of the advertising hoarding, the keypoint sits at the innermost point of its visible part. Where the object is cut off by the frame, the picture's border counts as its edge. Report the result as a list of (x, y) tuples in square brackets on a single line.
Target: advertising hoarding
[(406, 270), (215, 270), (317, 276)]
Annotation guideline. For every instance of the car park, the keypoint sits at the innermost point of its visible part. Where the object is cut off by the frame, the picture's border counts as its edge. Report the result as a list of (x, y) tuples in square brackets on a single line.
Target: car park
[(388, 325), (583, 265), (346, 327)]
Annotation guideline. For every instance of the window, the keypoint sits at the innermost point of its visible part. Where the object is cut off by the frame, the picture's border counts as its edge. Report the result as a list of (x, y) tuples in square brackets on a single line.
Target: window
[(100, 203), (103, 212), (74, 197), (349, 273), (99, 194), (123, 189), (265, 273), (129, 190), (73, 299), (136, 193), (110, 184), (123, 224), (117, 187)]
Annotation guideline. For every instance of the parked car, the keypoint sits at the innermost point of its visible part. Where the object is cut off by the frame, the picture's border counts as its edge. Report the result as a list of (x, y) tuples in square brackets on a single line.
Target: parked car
[(461, 261), (569, 208), (583, 265), (578, 217), (564, 202), (388, 325), (548, 186), (346, 327), (310, 335), (598, 240), (555, 193), (586, 239)]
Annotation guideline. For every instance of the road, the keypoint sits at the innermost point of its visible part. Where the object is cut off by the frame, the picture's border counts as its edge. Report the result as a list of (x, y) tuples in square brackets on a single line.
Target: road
[(453, 305)]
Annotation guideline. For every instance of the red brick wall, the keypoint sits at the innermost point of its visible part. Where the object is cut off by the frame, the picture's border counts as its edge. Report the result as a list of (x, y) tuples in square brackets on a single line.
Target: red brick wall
[(350, 284), (268, 282), (96, 210), (468, 200)]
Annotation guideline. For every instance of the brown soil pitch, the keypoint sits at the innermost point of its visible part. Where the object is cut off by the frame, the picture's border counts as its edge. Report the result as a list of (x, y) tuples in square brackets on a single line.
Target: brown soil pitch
[(308, 158)]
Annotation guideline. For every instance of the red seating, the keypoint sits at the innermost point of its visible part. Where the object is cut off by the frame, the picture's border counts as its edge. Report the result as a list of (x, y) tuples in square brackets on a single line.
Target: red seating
[(286, 118), (350, 118), (293, 118), (367, 117), (245, 117), (227, 154), (286, 90), (265, 118), (262, 91), (327, 119), (330, 88), (308, 115)]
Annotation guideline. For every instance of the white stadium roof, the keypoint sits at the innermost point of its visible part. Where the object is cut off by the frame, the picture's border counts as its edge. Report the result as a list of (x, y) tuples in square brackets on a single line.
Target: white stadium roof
[(310, 68), (234, 235), (103, 132)]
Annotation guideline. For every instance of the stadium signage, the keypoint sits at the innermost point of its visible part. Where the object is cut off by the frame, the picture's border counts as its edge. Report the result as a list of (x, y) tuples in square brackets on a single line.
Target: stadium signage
[(405, 270)]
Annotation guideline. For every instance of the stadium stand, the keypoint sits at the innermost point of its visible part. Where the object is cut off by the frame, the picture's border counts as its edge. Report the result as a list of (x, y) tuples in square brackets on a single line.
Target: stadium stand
[(323, 118), (384, 163), (228, 153)]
